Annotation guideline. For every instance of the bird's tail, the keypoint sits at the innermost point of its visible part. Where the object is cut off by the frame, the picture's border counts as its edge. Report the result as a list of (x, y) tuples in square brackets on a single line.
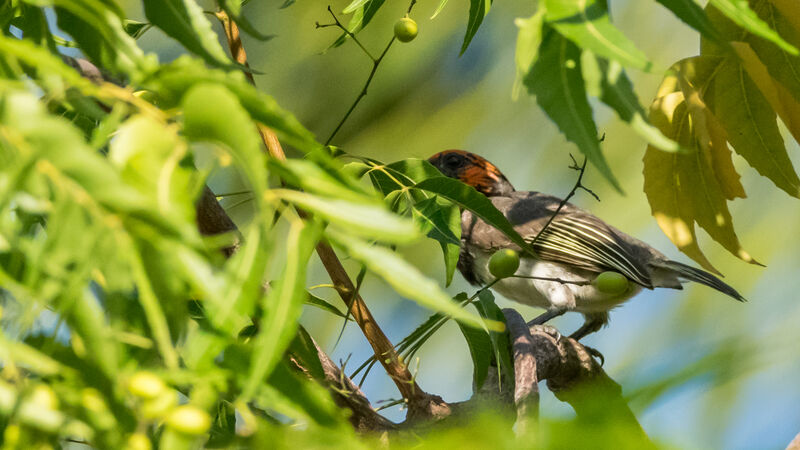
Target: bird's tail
[(701, 276)]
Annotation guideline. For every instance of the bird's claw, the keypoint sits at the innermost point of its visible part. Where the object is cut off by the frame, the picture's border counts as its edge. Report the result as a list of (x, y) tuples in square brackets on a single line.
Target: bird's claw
[(595, 353)]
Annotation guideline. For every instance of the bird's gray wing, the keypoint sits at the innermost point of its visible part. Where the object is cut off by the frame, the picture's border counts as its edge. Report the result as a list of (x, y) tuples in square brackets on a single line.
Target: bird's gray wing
[(575, 237)]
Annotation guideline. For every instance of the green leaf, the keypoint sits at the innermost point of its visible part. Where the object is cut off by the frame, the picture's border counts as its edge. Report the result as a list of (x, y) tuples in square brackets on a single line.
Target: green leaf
[(684, 188), (404, 278), (478, 9), (305, 351), (617, 92), (297, 397), (740, 13), (693, 15), (184, 21), (439, 9), (282, 306), (175, 79), (435, 221), (371, 221), (325, 306), (234, 10), (362, 16), (467, 197), (322, 181), (499, 338), (134, 28), (212, 113), (480, 349), (441, 222), (557, 82), (353, 6), (586, 23), (398, 175), (529, 38), (99, 32), (751, 126)]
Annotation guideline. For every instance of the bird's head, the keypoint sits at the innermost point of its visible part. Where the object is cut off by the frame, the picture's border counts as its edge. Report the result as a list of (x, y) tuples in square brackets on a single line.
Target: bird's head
[(473, 170)]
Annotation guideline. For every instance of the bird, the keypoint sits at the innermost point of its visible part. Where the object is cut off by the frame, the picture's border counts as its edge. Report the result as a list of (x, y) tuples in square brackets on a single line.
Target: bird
[(573, 250)]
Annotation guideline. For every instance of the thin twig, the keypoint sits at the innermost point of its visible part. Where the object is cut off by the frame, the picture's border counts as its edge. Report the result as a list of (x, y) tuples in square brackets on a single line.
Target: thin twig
[(557, 280), (375, 63), (578, 185)]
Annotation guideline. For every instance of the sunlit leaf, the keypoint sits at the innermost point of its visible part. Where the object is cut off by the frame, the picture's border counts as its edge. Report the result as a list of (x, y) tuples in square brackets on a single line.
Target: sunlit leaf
[(234, 10), (363, 13), (684, 188), (214, 114), (529, 38), (586, 23), (184, 21), (405, 278), (282, 306), (739, 12), (173, 80), (372, 221)]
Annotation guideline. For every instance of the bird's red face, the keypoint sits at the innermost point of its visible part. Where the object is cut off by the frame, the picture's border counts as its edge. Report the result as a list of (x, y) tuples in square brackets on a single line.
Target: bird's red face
[(473, 170)]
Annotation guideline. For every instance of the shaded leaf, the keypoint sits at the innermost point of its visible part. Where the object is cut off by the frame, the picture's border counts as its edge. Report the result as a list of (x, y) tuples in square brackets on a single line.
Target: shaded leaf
[(480, 349), (616, 91), (751, 125), (442, 223), (693, 15), (212, 113), (478, 9), (325, 306), (467, 197), (557, 82), (684, 188)]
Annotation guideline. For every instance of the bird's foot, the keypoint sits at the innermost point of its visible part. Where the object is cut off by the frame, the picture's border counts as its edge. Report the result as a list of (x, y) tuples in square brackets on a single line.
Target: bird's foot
[(552, 331)]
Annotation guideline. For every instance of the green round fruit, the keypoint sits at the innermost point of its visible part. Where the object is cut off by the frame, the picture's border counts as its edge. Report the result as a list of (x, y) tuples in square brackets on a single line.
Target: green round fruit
[(190, 420), (504, 263), (146, 385), (405, 29), (611, 283)]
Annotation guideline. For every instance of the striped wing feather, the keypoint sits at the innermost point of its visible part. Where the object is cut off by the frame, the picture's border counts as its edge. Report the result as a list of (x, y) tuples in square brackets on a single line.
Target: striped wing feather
[(575, 237)]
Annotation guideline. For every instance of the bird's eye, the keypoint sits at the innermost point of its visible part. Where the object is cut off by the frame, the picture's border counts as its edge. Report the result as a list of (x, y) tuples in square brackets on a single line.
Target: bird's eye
[(454, 161)]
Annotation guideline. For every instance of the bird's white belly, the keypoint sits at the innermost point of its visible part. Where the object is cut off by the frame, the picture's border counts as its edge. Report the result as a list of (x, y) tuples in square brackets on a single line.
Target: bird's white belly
[(546, 294)]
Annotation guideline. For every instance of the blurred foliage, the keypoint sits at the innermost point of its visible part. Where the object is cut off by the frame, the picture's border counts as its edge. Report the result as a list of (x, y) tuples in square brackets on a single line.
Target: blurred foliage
[(157, 339)]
